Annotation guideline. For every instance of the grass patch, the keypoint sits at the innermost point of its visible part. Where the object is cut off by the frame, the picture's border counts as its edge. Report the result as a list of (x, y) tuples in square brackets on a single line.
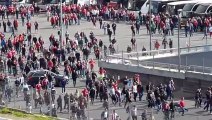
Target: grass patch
[(19, 114), (5, 111), (24, 116)]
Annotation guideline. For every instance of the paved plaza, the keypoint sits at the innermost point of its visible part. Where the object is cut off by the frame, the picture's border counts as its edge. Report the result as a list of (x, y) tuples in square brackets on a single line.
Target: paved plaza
[(123, 37)]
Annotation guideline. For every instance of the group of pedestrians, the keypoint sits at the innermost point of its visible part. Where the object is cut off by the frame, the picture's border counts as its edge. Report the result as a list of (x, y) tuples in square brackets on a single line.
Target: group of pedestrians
[(77, 56)]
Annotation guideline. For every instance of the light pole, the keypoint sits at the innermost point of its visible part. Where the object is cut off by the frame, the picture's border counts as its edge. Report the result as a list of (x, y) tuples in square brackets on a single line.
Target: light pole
[(61, 24), (150, 32), (179, 21)]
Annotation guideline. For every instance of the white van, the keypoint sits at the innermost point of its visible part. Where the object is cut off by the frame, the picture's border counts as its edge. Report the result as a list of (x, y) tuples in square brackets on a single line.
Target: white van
[(172, 7), (204, 9), (156, 6)]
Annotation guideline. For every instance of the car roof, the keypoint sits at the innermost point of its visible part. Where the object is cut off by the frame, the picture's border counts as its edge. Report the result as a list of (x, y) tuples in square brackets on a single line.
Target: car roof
[(41, 71), (44, 70)]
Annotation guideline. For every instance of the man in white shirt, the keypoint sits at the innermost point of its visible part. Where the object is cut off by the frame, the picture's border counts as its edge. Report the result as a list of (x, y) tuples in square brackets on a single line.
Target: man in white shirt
[(112, 91), (135, 92), (21, 79), (134, 113), (104, 115), (114, 115)]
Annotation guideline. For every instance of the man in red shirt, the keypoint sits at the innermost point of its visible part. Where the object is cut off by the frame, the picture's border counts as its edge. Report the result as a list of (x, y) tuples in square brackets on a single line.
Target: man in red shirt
[(102, 72), (92, 63), (15, 24), (182, 106), (28, 24), (38, 87), (85, 93)]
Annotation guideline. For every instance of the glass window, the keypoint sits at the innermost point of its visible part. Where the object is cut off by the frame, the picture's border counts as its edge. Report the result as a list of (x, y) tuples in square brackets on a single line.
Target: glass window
[(202, 9), (209, 10), (41, 73), (30, 74), (188, 7)]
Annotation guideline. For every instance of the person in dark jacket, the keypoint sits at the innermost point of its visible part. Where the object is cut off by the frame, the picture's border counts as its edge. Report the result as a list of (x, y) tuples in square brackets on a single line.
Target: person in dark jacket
[(74, 77), (172, 109), (140, 91), (127, 98), (63, 84), (92, 94), (77, 54), (59, 103)]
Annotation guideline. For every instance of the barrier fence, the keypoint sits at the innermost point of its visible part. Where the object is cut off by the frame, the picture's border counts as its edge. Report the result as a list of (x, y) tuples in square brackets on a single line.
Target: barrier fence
[(146, 59)]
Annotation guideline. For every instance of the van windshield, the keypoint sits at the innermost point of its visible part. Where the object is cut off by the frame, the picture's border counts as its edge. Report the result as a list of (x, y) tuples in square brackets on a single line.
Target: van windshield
[(188, 7), (202, 9)]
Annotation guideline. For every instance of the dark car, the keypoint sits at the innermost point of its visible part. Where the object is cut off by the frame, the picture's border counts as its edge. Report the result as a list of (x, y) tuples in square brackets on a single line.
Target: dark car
[(33, 77)]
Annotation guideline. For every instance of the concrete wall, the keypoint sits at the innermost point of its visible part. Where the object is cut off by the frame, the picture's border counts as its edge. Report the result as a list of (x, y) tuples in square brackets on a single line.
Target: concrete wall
[(184, 82)]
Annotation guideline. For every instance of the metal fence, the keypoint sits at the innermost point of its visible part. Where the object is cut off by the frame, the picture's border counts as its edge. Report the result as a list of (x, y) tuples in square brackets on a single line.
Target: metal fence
[(141, 59)]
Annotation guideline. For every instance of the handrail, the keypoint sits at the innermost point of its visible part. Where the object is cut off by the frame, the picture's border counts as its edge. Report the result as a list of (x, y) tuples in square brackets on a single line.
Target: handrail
[(162, 50), (153, 64), (172, 66)]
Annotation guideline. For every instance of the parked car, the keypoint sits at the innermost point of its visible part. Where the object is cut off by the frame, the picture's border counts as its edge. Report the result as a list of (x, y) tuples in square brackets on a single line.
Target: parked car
[(33, 77)]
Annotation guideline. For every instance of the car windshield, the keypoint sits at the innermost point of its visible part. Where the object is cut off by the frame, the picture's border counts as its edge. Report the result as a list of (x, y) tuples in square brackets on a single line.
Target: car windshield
[(40, 73), (30, 74)]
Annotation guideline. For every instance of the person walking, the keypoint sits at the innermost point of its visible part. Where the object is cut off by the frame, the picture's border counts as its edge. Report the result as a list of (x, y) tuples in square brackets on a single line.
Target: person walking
[(144, 115), (172, 109), (63, 84), (59, 103), (36, 26), (28, 24), (140, 91), (128, 100), (114, 28), (182, 106), (164, 43), (133, 30), (166, 109), (4, 26), (170, 44), (74, 77), (208, 96), (135, 91), (198, 98), (114, 115), (105, 114), (92, 95), (134, 113), (17, 87)]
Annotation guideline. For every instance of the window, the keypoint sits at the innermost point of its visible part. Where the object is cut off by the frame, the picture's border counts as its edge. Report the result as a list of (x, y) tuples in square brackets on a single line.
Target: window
[(188, 7), (201, 9), (30, 74), (195, 7), (209, 9), (38, 74)]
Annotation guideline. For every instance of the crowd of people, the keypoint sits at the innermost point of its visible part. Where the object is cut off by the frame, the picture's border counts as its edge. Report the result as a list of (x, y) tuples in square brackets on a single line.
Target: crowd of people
[(76, 55)]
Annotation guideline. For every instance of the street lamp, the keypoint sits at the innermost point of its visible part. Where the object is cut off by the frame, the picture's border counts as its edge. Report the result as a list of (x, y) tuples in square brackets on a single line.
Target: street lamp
[(150, 34), (61, 24), (179, 22)]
